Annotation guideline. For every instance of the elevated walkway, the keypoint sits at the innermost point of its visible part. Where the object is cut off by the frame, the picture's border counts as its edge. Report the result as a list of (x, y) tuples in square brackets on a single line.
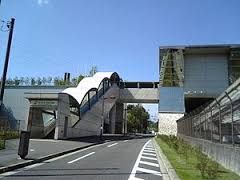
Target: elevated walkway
[(95, 106)]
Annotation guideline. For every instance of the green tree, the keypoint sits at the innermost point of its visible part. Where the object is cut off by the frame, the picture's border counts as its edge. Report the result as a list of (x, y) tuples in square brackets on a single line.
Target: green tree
[(49, 80), (33, 81), (137, 118), (26, 81), (44, 81), (21, 81), (39, 81), (80, 77), (93, 70), (16, 81)]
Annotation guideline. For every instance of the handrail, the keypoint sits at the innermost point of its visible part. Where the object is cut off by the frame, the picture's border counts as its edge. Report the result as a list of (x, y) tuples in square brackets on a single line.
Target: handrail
[(85, 107)]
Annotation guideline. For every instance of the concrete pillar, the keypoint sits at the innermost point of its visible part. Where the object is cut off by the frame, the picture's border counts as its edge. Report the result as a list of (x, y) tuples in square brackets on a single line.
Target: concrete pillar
[(125, 119), (119, 118), (112, 121), (35, 123), (63, 117)]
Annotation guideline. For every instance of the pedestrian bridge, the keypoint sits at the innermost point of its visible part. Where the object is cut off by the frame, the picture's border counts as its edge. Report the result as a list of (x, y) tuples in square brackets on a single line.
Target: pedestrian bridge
[(95, 106)]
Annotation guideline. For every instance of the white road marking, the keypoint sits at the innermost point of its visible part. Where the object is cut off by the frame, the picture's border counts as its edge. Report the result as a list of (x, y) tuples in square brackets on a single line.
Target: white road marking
[(149, 171), (149, 154), (112, 144), (135, 178), (150, 145), (149, 163), (33, 166), (66, 155), (32, 150), (125, 141), (45, 140), (149, 158), (47, 161), (8, 174), (134, 170), (151, 151), (89, 154)]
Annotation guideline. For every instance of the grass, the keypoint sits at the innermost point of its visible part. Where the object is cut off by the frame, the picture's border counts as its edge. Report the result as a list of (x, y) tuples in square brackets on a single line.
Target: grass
[(9, 134), (185, 167), (5, 135), (2, 144)]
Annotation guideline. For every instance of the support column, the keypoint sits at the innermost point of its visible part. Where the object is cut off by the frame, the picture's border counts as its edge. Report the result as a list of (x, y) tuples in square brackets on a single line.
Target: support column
[(63, 117), (35, 123), (119, 118), (112, 119), (125, 119)]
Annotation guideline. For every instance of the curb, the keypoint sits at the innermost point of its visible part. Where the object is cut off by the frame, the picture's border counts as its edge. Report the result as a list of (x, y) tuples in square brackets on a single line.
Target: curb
[(170, 170), (41, 159)]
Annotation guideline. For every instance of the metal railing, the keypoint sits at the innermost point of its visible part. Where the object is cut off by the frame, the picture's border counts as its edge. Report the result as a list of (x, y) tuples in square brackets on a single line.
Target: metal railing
[(218, 121)]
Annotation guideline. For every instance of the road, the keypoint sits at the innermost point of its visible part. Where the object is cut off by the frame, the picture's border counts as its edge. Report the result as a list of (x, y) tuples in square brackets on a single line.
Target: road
[(116, 160)]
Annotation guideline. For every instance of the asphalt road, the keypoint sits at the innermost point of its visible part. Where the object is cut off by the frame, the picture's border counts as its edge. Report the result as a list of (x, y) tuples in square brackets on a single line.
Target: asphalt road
[(116, 160)]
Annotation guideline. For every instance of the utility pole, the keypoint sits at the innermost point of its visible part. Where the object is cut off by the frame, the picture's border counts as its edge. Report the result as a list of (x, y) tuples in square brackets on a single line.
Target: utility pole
[(10, 26)]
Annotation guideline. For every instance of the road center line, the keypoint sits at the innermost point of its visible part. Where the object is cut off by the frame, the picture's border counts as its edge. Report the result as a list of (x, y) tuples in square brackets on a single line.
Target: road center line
[(89, 154), (66, 155), (112, 144), (125, 141)]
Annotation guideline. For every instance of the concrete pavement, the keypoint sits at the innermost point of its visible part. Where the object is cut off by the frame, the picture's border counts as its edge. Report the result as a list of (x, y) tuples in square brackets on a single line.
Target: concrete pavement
[(118, 160)]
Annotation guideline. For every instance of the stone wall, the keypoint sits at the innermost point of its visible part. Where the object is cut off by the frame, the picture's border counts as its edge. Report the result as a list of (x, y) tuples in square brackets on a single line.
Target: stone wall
[(167, 123)]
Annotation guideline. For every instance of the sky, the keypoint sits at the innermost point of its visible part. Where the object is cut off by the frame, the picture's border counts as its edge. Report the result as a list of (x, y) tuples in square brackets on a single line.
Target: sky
[(56, 36)]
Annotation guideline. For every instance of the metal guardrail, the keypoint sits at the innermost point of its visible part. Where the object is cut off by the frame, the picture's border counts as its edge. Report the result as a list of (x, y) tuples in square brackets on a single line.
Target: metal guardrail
[(218, 121)]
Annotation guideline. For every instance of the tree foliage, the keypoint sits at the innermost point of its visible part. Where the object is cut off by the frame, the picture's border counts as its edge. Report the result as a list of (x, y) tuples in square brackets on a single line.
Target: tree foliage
[(137, 118), (48, 81)]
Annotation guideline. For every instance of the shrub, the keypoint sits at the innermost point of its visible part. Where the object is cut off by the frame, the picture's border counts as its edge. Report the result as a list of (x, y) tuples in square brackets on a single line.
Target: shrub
[(9, 134), (2, 144), (212, 170), (202, 161)]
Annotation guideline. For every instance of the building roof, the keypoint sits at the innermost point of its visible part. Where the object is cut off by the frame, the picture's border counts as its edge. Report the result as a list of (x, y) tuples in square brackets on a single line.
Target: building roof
[(88, 84)]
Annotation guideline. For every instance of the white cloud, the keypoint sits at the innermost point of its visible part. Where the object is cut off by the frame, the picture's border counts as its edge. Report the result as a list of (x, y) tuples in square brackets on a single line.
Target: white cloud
[(42, 2)]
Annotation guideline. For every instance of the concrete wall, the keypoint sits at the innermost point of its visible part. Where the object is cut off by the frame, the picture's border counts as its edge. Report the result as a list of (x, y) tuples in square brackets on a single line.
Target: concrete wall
[(14, 99), (226, 155)]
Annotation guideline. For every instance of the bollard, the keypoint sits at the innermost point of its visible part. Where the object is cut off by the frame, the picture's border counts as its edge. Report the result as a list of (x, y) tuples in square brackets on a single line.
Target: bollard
[(23, 144)]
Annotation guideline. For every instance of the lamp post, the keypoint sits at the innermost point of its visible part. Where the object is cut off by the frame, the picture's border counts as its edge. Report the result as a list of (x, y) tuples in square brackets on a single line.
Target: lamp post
[(10, 26)]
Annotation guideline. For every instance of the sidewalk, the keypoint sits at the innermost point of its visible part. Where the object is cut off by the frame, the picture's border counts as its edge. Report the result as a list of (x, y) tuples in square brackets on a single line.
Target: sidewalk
[(39, 150)]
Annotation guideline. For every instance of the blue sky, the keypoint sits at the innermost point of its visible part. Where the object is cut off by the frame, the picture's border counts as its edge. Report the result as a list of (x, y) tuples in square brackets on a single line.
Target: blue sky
[(56, 36)]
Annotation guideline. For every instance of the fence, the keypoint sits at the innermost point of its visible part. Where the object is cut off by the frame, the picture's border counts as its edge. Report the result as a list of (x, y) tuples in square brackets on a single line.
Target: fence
[(218, 121)]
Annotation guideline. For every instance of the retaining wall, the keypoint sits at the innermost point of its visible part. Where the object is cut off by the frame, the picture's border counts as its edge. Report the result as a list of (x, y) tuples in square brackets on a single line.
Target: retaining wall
[(225, 154)]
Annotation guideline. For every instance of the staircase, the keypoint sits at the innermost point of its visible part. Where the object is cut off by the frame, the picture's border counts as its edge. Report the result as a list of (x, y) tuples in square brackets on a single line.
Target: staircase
[(90, 122)]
